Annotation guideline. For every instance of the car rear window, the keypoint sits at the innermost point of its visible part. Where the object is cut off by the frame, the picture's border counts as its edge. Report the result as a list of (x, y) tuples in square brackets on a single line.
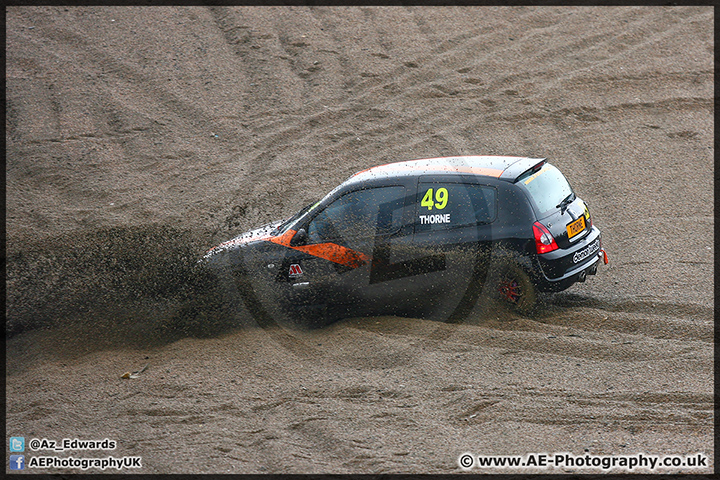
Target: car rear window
[(442, 206), (547, 188)]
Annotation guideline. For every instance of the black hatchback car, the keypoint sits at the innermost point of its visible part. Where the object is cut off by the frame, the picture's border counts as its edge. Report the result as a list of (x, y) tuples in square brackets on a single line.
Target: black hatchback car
[(422, 238)]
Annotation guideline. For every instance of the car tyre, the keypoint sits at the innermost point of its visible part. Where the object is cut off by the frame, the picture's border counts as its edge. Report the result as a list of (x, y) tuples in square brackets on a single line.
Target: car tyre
[(512, 287)]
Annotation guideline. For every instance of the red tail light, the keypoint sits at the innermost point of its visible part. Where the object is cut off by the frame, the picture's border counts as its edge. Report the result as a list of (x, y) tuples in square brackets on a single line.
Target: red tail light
[(544, 241)]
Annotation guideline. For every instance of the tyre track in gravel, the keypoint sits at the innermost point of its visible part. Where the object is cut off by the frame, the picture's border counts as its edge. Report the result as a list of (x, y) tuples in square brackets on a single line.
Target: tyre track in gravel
[(504, 394), (129, 122), (89, 58)]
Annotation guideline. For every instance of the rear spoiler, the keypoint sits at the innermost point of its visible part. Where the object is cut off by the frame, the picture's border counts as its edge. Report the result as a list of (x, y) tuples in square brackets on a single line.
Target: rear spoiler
[(524, 166)]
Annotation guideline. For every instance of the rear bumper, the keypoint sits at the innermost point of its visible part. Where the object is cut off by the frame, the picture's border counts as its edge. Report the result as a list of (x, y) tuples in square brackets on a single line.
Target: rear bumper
[(562, 268), (577, 275)]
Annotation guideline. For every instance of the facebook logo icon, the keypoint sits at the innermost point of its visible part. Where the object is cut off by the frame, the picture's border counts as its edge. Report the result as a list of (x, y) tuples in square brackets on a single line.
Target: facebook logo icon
[(17, 462)]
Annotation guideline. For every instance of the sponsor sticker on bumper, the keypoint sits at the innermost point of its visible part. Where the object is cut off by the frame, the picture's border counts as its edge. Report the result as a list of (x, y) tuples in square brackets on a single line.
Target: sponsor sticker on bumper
[(587, 251)]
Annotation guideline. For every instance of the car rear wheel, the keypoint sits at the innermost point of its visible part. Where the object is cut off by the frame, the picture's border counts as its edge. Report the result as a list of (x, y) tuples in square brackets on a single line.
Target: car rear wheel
[(512, 287)]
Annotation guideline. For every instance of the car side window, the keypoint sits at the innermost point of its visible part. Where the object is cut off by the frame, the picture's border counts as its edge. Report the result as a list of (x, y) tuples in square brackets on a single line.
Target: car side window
[(443, 206), (359, 216), (483, 200)]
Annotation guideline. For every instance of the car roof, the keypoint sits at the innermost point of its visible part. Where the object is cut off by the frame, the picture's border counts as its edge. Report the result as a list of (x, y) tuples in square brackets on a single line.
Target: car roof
[(500, 167)]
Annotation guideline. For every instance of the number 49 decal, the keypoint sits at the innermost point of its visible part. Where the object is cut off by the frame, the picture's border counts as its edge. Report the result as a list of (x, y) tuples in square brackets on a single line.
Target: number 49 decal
[(440, 202)]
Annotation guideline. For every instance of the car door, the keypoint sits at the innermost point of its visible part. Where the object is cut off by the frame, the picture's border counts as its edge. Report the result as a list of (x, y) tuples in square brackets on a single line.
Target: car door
[(333, 265), (454, 220)]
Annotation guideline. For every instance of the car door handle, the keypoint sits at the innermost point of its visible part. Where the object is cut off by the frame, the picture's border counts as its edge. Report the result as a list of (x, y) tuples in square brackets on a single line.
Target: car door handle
[(301, 285)]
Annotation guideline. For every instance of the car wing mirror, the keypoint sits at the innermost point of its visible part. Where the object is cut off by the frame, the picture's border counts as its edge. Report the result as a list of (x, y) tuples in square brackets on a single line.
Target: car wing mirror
[(300, 238)]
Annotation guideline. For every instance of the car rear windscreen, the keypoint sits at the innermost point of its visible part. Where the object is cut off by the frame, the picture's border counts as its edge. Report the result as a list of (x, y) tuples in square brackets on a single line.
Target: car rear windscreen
[(547, 188)]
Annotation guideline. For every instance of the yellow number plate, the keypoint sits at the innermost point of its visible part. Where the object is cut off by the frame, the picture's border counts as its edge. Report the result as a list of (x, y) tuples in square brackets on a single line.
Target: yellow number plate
[(576, 227)]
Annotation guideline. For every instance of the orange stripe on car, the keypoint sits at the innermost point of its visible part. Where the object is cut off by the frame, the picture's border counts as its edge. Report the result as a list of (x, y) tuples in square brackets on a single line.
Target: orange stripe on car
[(329, 251)]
